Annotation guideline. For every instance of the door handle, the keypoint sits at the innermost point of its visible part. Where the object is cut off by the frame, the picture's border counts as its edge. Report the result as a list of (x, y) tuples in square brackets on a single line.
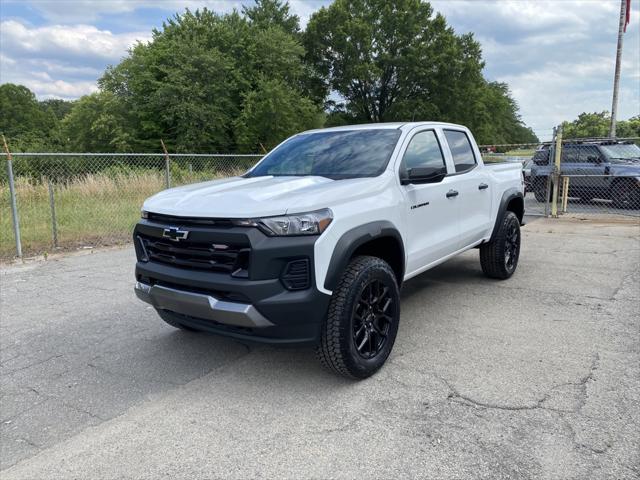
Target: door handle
[(452, 193), (483, 186)]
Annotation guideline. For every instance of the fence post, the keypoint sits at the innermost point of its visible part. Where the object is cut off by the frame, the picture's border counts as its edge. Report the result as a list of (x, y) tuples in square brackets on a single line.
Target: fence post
[(54, 223), (14, 206), (565, 193), (167, 166), (548, 183), (556, 173)]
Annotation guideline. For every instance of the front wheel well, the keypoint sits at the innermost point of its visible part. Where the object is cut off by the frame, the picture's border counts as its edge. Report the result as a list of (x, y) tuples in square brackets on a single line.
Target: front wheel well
[(388, 249), (516, 205)]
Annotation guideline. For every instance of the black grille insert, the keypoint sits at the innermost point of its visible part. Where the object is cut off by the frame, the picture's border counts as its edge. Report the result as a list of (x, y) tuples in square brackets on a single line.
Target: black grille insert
[(226, 258), (190, 221)]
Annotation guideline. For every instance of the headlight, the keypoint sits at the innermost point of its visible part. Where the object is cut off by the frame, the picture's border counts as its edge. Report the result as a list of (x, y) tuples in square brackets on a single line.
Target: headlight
[(311, 223), (144, 214)]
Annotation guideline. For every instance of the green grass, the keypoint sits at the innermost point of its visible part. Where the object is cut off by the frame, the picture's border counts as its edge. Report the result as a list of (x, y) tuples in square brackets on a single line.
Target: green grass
[(91, 210), (520, 153)]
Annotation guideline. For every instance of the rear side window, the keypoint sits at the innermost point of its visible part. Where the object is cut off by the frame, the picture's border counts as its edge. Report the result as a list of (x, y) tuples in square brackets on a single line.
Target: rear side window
[(541, 157), (424, 152), (460, 146), (581, 154)]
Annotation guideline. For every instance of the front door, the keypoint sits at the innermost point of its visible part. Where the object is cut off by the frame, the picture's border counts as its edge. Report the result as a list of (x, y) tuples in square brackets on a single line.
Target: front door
[(432, 216)]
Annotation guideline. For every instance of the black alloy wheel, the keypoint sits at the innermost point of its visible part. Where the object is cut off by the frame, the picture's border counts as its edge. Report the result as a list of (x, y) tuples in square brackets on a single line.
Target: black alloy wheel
[(372, 319), (499, 257), (363, 318), (512, 246)]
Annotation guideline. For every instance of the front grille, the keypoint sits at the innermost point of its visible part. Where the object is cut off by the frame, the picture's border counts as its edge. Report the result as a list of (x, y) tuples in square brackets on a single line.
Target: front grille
[(217, 257), (189, 221)]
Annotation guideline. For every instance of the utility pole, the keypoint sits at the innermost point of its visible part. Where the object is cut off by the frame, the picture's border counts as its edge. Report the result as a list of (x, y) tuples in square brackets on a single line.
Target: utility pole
[(616, 78)]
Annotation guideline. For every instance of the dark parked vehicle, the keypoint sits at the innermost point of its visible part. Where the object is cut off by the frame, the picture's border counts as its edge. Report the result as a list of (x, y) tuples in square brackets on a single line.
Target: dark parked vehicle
[(526, 173), (597, 170)]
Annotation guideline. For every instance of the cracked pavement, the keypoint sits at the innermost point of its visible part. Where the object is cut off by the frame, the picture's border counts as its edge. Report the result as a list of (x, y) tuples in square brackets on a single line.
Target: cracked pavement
[(534, 377)]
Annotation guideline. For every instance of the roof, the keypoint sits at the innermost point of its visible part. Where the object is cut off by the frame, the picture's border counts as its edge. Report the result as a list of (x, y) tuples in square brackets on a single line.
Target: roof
[(382, 126)]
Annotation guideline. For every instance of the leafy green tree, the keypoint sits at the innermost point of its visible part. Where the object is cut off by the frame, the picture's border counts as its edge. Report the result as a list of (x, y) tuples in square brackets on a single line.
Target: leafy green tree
[(190, 85), (59, 107), (496, 119), (397, 60), (96, 124), (629, 128), (597, 124), (392, 59), (271, 113), (271, 13), (27, 126)]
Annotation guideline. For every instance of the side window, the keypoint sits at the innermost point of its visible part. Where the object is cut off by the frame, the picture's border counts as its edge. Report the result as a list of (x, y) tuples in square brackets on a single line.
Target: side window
[(541, 157), (573, 155), (461, 150), (581, 154), (424, 152)]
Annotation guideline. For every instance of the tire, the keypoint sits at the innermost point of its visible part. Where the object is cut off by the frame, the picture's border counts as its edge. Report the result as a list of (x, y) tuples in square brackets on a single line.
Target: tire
[(625, 194), (174, 320), (362, 320), (499, 258)]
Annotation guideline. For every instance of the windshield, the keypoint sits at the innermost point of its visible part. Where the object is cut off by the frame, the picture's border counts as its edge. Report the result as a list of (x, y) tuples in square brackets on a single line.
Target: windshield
[(336, 155), (622, 152)]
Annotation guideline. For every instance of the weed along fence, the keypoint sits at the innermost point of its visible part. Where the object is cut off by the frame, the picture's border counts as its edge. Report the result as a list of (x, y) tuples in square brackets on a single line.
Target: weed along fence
[(70, 201)]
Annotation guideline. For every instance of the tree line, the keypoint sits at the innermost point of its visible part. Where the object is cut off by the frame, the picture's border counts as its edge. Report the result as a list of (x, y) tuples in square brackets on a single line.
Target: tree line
[(244, 81)]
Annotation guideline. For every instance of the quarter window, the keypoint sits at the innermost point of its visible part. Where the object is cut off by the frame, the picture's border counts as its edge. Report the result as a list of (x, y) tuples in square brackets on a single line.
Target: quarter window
[(424, 152), (460, 146)]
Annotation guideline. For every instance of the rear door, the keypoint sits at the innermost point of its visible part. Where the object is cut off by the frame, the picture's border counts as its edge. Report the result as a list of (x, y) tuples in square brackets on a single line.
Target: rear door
[(432, 226), (473, 186), (585, 164)]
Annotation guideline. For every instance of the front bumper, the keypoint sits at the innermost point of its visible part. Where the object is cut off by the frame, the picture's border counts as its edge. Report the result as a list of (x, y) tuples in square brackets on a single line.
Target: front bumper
[(257, 307), (198, 305)]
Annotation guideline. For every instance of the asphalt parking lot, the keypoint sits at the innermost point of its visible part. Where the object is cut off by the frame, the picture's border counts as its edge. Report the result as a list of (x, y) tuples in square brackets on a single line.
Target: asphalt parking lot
[(538, 376)]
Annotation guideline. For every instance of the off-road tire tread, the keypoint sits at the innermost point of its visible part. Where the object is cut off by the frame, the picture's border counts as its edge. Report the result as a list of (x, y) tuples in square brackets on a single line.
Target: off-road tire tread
[(329, 350), (492, 253)]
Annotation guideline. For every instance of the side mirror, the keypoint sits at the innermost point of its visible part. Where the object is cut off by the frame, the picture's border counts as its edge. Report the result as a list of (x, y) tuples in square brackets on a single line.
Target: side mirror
[(423, 175), (594, 159)]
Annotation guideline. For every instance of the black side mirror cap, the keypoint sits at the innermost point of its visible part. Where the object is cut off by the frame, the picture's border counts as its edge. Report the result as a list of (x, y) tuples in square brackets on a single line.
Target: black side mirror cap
[(423, 175)]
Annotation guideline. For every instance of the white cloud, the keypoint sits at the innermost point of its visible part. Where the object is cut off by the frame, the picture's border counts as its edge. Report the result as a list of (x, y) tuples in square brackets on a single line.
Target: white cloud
[(79, 41), (57, 60), (84, 11), (557, 57)]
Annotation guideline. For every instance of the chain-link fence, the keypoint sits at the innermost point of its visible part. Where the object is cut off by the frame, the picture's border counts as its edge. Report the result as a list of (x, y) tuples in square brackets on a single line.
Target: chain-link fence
[(523, 154), (66, 201), (593, 176)]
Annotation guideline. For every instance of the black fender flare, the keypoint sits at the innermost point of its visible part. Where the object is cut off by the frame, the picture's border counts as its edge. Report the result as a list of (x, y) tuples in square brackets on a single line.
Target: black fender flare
[(354, 238), (507, 196)]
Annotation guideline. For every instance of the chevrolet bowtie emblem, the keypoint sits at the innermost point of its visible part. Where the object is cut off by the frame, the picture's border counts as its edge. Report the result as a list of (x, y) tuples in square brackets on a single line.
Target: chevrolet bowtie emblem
[(175, 234)]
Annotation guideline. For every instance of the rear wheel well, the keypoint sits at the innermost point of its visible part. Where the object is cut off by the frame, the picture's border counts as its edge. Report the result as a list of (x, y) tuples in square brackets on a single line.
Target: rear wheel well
[(388, 249), (516, 205)]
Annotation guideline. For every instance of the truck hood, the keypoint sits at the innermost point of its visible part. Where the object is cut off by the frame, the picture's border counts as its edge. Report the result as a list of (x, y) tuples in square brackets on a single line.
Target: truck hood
[(239, 197), (629, 169)]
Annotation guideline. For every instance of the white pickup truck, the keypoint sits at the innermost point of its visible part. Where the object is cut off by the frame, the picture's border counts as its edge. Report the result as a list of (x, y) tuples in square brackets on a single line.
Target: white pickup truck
[(313, 243)]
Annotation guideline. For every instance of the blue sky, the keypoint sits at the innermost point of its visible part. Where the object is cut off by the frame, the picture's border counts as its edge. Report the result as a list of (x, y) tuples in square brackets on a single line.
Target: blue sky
[(556, 55)]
